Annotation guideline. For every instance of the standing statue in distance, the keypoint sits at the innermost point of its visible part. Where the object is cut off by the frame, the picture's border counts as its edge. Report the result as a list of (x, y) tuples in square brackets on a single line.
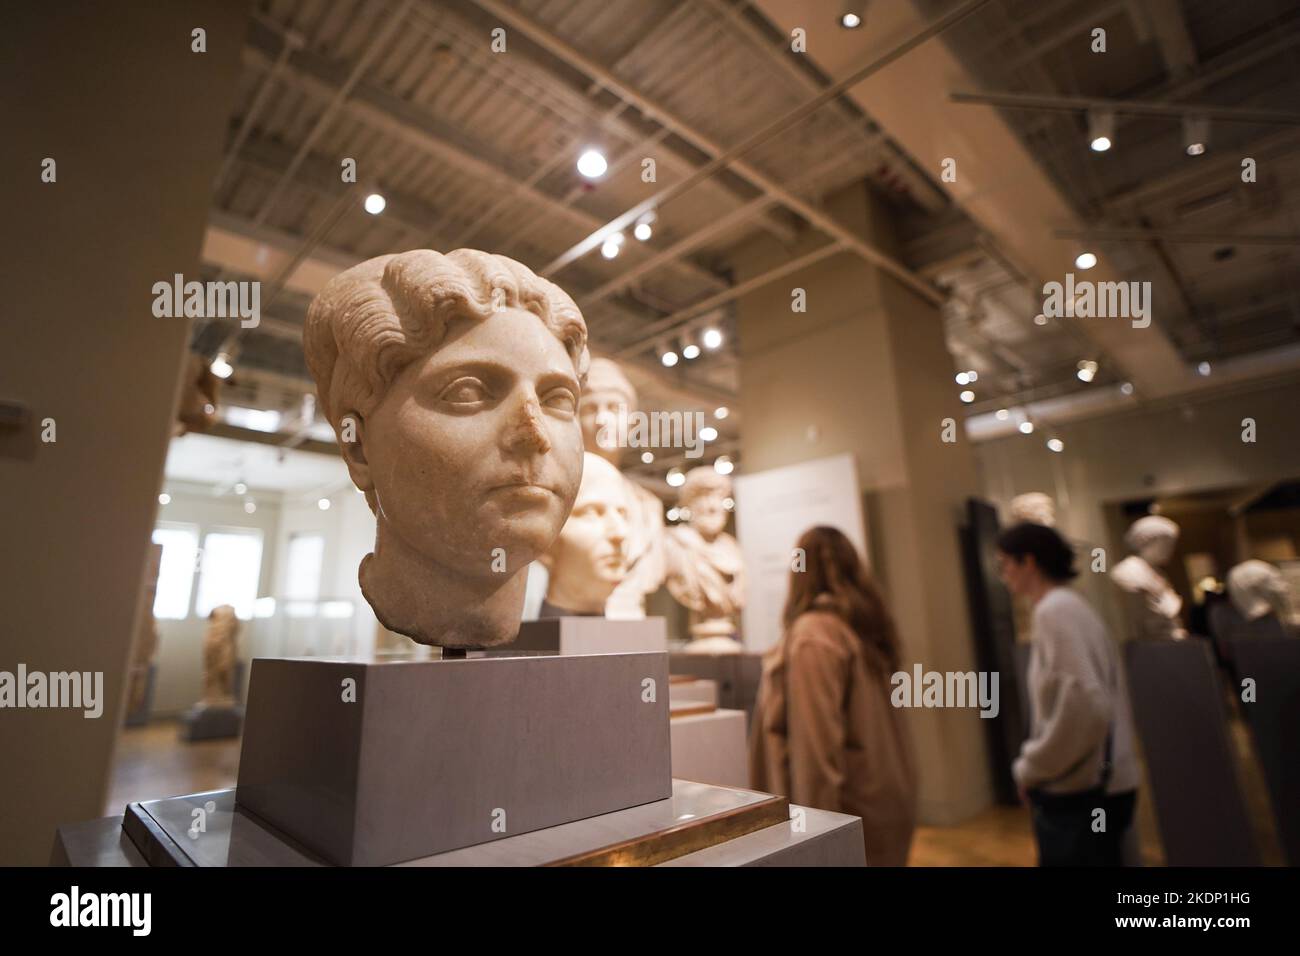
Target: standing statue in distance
[(1153, 606), (607, 397), (220, 652), (589, 559), (706, 572), (452, 382)]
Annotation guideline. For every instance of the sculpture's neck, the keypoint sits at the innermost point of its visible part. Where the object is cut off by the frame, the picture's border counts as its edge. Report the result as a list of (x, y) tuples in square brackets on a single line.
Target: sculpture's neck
[(578, 599), (433, 604)]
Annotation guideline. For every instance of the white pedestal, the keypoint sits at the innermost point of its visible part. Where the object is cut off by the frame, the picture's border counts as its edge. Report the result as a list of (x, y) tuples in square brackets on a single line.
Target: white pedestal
[(711, 748)]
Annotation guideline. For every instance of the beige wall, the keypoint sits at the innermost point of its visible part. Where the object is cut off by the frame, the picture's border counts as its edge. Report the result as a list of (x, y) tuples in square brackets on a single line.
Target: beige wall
[(136, 123), (865, 370)]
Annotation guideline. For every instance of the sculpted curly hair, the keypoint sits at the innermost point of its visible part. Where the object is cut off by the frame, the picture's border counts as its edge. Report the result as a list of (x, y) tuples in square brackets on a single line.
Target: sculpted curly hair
[(373, 320)]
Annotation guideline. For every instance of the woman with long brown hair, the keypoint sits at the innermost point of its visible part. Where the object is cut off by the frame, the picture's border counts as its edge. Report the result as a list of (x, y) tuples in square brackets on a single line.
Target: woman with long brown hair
[(824, 732)]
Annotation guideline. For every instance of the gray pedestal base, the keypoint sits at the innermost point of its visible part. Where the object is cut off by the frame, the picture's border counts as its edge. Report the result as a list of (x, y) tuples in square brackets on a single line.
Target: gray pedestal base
[(206, 722), (592, 635)]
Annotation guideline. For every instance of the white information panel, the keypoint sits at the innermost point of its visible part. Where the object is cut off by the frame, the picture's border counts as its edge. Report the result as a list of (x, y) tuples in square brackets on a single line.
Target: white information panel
[(773, 508)]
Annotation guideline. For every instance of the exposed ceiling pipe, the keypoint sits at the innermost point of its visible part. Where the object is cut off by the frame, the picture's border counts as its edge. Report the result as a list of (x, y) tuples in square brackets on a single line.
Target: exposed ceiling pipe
[(1165, 108)]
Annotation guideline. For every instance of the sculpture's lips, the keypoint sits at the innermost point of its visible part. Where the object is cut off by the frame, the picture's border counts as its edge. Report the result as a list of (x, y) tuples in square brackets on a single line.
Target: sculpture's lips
[(524, 488)]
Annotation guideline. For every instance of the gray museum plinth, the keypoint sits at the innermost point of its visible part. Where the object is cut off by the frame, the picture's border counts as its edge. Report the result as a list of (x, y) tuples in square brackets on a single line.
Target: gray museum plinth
[(376, 763)]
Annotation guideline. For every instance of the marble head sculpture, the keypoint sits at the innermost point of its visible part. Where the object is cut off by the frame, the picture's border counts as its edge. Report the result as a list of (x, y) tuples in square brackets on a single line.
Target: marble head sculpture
[(589, 559), (452, 382), (1034, 507), (1154, 606), (706, 572), (1257, 588), (606, 397)]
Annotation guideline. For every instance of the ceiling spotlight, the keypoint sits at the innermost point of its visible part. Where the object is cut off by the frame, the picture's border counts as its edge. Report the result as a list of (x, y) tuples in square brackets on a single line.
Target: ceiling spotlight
[(1002, 414), (164, 499), (1085, 260), (669, 358), (1203, 369), (729, 504), (323, 504), (968, 396), (709, 433), (221, 366), (1026, 428), (676, 478), (972, 376), (249, 507), (1101, 130), (724, 465), (963, 378), (1126, 388), (240, 488), (375, 204), (673, 514), (1196, 134), (1087, 370), (592, 164), (721, 412), (1055, 444), (1040, 319), (691, 351), (712, 338), (610, 247), (851, 14), (647, 457), (642, 231)]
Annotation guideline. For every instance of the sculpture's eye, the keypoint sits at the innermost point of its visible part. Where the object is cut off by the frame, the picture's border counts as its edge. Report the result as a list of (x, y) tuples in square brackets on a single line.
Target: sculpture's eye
[(465, 391), (561, 399)]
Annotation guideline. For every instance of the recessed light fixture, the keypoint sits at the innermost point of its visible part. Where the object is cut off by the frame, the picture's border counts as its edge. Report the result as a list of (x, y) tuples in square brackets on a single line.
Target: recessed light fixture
[(1101, 130), (709, 433), (712, 338), (323, 504), (240, 488), (647, 457), (676, 478), (592, 164), (691, 351), (221, 366), (1196, 135), (963, 378), (729, 504), (1002, 414), (1040, 319), (1055, 444), (375, 204), (1126, 388), (164, 499), (1085, 260), (1026, 428), (1203, 368), (724, 465), (851, 14), (250, 507), (1087, 370), (669, 358), (968, 396), (721, 412)]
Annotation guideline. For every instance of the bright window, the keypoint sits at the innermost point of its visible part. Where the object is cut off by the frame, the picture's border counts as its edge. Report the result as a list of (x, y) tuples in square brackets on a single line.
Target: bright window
[(176, 572), (229, 571), (306, 554)]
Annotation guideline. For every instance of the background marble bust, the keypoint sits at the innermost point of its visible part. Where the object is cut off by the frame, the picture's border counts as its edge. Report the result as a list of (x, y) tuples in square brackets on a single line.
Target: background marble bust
[(1035, 507), (606, 394), (706, 572), (589, 559), (1154, 607), (452, 382)]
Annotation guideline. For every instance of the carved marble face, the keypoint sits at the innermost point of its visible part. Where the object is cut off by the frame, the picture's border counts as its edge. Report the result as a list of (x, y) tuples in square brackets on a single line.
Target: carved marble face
[(590, 558), (477, 445), (708, 514), (599, 412)]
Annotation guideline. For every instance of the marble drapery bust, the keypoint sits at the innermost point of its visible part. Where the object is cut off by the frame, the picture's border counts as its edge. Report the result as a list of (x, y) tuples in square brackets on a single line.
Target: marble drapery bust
[(1154, 607), (452, 382), (607, 395), (706, 572), (589, 559)]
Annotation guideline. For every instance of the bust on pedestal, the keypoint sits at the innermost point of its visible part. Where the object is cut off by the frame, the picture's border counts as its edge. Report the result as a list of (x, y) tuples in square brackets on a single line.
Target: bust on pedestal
[(589, 559), (706, 571), (217, 715), (1153, 606)]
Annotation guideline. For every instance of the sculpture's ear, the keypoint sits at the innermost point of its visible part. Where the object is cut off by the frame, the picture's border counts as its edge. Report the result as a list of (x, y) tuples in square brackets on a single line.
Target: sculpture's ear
[(352, 443)]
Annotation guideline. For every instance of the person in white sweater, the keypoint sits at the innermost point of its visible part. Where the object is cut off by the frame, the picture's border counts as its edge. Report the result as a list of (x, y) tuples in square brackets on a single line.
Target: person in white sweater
[(1078, 770)]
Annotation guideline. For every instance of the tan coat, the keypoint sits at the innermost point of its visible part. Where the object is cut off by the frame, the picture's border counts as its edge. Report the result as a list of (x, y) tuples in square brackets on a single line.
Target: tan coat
[(825, 735)]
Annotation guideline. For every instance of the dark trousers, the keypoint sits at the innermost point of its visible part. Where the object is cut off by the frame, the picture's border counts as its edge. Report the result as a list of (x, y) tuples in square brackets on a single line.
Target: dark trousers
[(1065, 826)]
